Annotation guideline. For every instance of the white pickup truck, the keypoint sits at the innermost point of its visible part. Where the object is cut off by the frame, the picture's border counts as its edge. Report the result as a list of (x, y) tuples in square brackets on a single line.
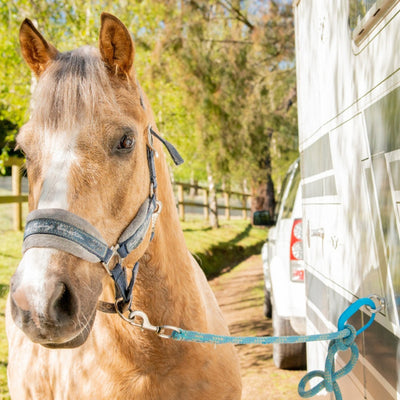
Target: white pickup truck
[(283, 266)]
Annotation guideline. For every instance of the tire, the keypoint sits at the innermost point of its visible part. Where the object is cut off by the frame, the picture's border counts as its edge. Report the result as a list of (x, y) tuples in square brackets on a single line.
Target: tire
[(267, 304), (290, 355)]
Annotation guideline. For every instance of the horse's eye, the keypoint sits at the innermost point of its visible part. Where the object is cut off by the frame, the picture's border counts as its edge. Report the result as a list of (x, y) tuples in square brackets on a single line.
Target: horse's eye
[(126, 143)]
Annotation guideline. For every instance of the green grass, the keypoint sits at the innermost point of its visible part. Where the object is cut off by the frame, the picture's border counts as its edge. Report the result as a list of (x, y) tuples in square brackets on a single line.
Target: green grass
[(217, 250), (10, 254)]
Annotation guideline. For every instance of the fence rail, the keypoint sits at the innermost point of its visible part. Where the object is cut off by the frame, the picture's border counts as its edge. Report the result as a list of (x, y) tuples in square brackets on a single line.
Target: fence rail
[(207, 204), (17, 198)]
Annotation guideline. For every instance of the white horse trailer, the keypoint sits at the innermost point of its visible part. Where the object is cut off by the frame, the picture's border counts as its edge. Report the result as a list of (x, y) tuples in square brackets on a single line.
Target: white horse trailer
[(348, 77)]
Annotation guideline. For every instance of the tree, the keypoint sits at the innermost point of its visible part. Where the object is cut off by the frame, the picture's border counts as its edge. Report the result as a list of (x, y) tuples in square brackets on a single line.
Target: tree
[(237, 68)]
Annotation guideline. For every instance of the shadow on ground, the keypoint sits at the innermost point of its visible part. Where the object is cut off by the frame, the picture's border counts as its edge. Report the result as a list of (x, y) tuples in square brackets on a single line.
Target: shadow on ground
[(224, 256)]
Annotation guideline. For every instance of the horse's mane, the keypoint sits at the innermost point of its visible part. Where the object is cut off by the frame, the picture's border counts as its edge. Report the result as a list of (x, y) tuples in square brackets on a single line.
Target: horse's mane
[(71, 89)]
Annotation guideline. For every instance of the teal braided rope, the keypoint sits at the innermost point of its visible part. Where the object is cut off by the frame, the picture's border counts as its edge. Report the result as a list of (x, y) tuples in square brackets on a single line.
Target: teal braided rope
[(192, 336), (330, 376)]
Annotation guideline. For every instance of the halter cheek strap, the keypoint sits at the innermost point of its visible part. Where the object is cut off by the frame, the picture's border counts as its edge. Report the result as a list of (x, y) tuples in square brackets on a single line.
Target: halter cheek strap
[(63, 230)]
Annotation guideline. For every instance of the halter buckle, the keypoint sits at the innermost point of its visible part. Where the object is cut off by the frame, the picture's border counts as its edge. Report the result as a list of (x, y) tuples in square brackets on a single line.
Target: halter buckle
[(115, 253)]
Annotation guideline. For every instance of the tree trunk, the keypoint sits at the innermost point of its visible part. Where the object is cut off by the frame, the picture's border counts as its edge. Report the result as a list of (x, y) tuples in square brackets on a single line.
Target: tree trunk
[(263, 192)]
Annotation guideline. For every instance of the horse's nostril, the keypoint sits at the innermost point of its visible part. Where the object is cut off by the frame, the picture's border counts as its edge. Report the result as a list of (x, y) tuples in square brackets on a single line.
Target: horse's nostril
[(63, 302), (20, 299)]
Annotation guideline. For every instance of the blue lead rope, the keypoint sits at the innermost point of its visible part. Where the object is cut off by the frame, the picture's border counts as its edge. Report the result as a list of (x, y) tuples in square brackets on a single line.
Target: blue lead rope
[(341, 340), (192, 336)]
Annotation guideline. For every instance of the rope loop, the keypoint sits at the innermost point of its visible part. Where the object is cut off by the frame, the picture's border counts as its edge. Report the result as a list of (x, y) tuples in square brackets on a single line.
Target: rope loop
[(330, 376)]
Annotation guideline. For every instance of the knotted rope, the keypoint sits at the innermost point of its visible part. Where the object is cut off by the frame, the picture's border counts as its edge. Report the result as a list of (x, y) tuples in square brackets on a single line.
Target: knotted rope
[(330, 376)]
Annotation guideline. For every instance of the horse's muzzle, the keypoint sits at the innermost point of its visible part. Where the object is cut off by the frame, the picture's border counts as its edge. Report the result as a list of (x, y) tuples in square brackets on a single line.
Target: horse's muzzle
[(49, 310)]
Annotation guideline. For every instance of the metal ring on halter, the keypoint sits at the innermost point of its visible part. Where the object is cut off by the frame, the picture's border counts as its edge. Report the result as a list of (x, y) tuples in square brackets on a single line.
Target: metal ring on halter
[(381, 303), (158, 208)]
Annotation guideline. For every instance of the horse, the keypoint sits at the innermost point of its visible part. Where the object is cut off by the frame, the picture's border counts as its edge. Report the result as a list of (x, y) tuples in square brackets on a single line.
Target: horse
[(96, 165)]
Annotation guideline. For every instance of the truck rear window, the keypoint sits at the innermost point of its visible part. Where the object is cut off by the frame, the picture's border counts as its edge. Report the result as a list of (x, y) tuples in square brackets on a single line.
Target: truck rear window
[(291, 197)]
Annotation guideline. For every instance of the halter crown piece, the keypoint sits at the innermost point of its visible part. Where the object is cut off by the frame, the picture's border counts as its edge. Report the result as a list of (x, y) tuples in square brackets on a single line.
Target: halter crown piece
[(63, 230)]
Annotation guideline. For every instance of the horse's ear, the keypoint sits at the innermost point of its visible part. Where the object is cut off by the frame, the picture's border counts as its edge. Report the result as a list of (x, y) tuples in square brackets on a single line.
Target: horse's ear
[(116, 46), (36, 51)]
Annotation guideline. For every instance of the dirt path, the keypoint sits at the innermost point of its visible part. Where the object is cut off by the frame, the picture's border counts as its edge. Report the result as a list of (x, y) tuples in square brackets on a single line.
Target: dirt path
[(240, 295)]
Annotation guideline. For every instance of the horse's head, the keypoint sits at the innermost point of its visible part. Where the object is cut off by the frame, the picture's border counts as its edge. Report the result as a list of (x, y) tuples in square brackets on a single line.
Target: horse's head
[(85, 148)]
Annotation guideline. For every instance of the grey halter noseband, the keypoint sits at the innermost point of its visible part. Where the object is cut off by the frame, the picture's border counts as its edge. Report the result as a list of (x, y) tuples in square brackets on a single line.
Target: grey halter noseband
[(63, 230)]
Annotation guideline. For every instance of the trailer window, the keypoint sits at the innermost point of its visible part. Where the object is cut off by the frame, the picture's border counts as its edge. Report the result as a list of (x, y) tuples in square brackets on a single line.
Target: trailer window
[(364, 15)]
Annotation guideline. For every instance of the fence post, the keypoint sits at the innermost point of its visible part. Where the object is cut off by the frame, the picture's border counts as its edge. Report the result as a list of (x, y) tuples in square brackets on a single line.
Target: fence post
[(206, 210), (244, 205), (181, 206), (227, 197), (16, 179), (213, 204)]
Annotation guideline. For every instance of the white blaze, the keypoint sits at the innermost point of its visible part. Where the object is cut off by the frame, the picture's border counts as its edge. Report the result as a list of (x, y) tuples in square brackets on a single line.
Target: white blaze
[(61, 150), (33, 274), (60, 156)]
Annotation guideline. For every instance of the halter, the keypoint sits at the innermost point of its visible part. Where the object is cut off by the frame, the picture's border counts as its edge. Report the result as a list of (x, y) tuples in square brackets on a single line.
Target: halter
[(62, 230)]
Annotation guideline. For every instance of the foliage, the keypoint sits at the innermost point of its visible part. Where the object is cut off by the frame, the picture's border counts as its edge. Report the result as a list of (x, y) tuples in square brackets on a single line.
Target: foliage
[(219, 73), (240, 80)]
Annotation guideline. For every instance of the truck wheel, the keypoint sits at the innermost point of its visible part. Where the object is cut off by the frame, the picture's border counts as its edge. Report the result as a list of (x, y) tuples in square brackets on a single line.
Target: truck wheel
[(267, 304), (290, 355)]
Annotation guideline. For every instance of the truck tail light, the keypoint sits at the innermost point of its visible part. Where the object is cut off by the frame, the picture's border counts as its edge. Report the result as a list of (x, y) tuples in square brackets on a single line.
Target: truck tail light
[(296, 252)]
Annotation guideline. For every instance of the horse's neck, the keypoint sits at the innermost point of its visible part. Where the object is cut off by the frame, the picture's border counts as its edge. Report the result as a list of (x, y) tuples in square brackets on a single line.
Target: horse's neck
[(166, 282)]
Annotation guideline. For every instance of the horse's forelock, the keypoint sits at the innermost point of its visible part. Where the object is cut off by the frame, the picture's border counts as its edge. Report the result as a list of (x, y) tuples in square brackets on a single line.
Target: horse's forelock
[(74, 89)]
